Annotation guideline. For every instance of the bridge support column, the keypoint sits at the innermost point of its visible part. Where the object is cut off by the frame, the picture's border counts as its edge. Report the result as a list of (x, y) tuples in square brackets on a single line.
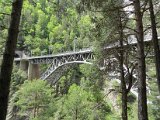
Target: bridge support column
[(33, 71), (24, 65)]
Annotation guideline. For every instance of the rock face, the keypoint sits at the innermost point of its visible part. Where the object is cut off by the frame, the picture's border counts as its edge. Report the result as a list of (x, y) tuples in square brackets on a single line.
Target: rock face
[(112, 96)]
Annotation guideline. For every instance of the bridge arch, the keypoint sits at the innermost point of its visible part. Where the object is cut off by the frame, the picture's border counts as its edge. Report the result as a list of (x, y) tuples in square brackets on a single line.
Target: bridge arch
[(53, 74)]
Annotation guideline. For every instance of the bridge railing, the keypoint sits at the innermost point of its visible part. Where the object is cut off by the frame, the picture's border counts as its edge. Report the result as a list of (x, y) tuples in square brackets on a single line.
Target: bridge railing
[(64, 53), (131, 41)]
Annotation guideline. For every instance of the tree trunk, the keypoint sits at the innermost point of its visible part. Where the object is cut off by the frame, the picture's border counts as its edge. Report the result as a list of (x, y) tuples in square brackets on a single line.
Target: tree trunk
[(123, 85), (142, 96), (7, 63), (155, 42), (121, 62)]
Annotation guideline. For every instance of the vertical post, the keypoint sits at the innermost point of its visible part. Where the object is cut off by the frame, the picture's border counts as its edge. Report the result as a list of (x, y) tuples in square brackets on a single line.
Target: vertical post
[(33, 71), (74, 44), (49, 50), (24, 65), (31, 53)]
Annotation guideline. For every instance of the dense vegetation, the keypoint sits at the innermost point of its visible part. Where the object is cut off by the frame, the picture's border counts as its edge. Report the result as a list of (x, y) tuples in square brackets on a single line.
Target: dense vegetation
[(127, 87)]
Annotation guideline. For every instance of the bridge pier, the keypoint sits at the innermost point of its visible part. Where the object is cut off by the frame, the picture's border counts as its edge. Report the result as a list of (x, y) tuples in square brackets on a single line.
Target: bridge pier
[(24, 65), (33, 71)]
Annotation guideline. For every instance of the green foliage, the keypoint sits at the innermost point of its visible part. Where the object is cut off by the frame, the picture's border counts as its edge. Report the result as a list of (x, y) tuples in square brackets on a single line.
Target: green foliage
[(18, 78), (5, 10), (80, 104), (133, 111), (76, 104), (72, 76), (154, 108), (53, 26), (85, 25), (92, 80), (33, 97)]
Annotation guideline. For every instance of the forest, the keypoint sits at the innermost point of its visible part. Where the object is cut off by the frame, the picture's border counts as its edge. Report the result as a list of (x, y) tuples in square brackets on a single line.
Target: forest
[(79, 60)]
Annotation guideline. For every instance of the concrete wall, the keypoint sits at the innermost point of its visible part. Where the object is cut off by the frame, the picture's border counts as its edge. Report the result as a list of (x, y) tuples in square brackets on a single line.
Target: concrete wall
[(32, 70)]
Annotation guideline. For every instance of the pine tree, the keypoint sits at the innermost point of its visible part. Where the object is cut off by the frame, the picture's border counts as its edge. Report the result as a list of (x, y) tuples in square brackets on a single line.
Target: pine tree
[(142, 93), (155, 42)]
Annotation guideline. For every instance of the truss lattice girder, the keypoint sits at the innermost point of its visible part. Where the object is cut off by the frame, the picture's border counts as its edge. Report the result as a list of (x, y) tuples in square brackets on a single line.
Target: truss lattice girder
[(61, 60), (48, 59)]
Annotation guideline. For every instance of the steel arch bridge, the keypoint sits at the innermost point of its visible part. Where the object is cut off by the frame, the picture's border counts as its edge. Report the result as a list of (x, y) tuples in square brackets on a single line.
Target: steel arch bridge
[(59, 63)]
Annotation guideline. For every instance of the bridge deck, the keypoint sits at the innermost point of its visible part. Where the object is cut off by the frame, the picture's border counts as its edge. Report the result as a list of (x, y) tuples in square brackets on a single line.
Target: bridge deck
[(83, 51)]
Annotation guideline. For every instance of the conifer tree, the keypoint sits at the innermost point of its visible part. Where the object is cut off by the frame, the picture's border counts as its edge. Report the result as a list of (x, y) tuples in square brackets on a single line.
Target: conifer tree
[(142, 93), (155, 42)]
